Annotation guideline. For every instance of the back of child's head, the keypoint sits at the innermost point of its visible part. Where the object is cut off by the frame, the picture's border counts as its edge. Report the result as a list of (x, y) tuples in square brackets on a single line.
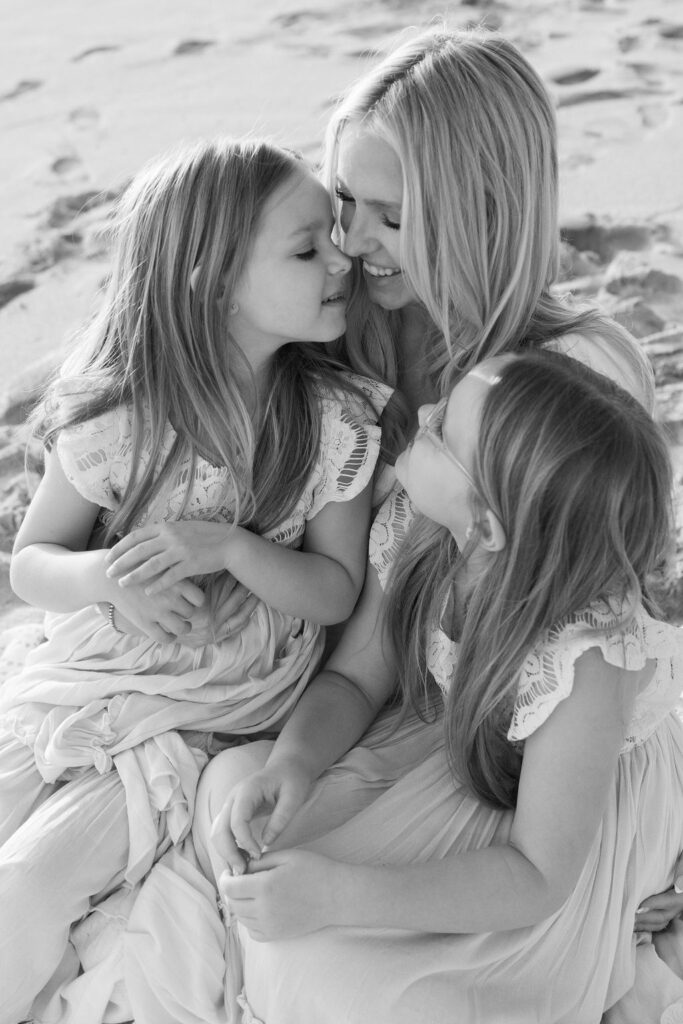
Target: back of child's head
[(579, 476), (182, 237)]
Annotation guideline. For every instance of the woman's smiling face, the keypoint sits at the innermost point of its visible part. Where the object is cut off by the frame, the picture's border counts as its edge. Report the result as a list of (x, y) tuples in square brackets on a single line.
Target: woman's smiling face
[(369, 186)]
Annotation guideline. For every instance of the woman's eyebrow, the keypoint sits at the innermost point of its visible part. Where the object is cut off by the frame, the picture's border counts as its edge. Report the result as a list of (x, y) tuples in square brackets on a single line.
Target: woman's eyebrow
[(382, 204)]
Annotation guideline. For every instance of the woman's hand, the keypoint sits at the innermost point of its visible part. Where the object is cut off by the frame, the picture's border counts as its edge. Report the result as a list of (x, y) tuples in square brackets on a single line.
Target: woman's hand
[(657, 912), (256, 812), (287, 893), (162, 554), (163, 618)]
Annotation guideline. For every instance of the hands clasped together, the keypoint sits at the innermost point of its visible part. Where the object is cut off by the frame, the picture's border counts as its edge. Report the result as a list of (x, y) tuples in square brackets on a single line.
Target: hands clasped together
[(157, 598), (280, 893)]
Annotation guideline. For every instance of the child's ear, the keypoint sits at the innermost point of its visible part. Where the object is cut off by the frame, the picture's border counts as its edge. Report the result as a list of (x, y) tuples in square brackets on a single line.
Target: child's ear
[(491, 533)]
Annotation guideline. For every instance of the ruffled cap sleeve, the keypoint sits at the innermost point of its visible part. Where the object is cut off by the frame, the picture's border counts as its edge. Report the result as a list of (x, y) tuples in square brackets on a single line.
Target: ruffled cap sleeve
[(388, 531), (349, 444), (547, 676), (87, 452)]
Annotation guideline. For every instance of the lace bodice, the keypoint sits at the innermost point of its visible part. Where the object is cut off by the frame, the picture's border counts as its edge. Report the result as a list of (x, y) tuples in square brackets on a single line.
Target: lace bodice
[(96, 457), (547, 676)]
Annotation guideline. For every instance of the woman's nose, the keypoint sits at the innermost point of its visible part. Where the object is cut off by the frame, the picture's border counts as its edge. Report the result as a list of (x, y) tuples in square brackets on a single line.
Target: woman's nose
[(356, 240)]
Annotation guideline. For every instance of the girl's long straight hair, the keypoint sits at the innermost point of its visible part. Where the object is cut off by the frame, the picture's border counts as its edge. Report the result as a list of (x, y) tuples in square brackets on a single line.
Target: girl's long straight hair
[(579, 476), (474, 129), (160, 341)]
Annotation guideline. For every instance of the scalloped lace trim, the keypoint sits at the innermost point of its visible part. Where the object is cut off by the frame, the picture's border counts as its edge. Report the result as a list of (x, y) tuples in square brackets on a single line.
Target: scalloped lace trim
[(389, 530)]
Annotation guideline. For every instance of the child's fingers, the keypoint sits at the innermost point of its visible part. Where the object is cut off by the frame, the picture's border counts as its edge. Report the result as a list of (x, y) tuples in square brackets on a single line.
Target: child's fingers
[(224, 843), (235, 623), (245, 807), (283, 812), (127, 543), (167, 579), (147, 570), (191, 592)]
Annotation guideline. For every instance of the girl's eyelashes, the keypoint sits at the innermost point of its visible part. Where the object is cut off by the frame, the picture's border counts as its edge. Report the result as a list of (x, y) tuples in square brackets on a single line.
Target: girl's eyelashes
[(308, 255), (343, 196)]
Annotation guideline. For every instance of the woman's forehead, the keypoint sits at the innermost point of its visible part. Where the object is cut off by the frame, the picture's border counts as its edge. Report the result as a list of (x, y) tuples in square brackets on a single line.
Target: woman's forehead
[(365, 161)]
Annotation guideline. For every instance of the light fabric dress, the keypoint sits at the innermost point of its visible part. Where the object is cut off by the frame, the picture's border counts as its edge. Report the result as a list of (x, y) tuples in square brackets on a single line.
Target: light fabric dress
[(392, 800), (103, 735)]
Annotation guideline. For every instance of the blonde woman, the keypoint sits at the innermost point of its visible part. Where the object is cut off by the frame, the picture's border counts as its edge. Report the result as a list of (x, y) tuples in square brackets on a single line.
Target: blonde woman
[(204, 427)]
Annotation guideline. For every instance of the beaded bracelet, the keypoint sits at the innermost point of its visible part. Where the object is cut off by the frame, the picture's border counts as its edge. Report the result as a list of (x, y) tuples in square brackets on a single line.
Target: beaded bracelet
[(110, 616)]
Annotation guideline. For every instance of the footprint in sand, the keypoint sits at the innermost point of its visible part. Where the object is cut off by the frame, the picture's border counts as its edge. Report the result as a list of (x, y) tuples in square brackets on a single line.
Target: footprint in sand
[(67, 208), (66, 166), (14, 287), (628, 43), (192, 46), (653, 115), (92, 50), (25, 85), (671, 31), (574, 76), (84, 117)]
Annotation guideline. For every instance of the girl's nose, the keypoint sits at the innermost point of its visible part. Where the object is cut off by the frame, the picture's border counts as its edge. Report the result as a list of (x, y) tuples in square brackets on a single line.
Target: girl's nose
[(338, 262), (423, 412)]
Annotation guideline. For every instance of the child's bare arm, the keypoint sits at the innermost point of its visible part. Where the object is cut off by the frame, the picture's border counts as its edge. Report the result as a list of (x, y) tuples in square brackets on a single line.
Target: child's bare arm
[(333, 712), (320, 583), (52, 568)]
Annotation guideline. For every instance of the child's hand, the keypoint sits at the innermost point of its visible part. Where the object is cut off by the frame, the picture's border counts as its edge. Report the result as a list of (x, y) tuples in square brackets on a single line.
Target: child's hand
[(168, 552), (285, 894), (163, 618), (272, 795), (233, 608), (657, 912)]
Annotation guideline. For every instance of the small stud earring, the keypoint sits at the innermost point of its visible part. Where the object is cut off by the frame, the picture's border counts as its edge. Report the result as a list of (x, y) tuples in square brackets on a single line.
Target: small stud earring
[(469, 532), (234, 308)]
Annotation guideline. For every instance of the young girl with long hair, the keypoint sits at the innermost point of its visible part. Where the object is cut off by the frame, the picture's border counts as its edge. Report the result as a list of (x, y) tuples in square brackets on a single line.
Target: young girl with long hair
[(497, 879), (207, 410)]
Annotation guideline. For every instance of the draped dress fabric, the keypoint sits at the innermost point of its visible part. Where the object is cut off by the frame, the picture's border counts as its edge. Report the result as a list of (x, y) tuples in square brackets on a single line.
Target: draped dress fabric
[(103, 735), (392, 800)]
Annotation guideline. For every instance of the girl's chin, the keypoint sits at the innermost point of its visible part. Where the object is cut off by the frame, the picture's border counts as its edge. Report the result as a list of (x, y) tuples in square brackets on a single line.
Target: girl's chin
[(399, 467)]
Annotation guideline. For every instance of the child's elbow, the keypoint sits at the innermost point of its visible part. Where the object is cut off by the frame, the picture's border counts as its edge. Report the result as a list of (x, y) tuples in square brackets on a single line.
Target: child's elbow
[(343, 600)]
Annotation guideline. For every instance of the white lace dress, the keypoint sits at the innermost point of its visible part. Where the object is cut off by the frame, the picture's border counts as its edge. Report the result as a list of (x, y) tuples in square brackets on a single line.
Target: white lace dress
[(567, 969), (90, 699)]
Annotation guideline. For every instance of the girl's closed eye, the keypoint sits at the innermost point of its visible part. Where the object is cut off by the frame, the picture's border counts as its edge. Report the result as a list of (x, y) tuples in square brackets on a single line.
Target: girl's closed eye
[(308, 255), (343, 196)]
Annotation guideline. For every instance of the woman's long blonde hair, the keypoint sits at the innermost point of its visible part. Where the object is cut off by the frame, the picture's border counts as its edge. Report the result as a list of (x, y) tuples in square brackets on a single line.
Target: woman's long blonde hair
[(579, 476), (183, 235), (473, 127)]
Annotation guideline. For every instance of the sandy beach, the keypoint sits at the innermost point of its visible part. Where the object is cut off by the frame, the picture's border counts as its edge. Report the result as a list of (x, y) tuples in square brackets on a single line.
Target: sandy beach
[(89, 92)]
